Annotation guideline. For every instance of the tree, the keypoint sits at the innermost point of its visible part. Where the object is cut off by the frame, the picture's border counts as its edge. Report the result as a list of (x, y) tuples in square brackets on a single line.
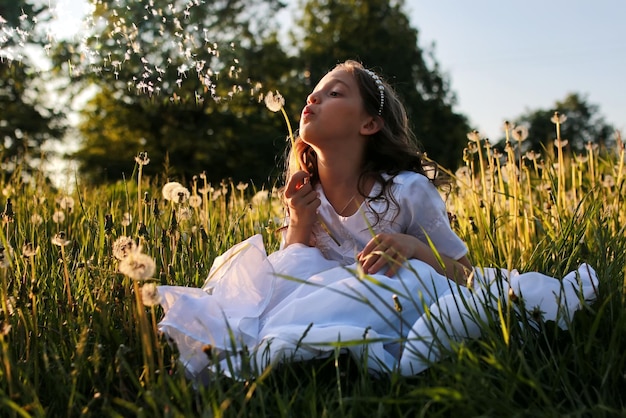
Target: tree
[(584, 124), (176, 85), (27, 122), (378, 33)]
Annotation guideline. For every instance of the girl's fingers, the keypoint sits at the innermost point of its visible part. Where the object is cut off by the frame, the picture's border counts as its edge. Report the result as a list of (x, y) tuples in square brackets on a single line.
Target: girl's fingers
[(296, 182)]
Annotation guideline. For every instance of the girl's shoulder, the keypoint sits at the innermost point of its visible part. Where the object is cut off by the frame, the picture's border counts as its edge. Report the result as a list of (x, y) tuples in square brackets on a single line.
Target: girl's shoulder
[(410, 179)]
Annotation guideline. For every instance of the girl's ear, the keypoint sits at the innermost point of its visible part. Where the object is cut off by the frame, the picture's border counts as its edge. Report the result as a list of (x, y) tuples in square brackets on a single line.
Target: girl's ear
[(372, 125)]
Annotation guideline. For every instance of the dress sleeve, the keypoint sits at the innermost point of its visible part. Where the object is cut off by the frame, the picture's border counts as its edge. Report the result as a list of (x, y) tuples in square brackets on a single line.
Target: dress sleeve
[(423, 213)]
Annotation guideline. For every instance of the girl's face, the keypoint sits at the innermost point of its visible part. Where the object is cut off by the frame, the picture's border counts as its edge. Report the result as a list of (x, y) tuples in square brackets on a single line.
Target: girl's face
[(334, 115)]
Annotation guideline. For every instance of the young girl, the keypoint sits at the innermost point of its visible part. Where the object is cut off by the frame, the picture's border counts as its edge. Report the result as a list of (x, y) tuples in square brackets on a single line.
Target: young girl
[(366, 251)]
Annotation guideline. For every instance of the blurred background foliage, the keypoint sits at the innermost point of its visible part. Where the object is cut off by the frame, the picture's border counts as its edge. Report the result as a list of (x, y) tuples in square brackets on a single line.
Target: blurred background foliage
[(183, 81)]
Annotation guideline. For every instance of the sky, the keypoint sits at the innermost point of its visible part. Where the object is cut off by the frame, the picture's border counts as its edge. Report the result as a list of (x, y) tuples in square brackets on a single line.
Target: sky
[(504, 58)]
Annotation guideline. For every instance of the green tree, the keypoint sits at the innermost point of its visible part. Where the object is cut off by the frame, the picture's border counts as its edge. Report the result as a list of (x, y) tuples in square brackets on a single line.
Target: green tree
[(378, 34), (584, 124), (27, 121), (175, 84)]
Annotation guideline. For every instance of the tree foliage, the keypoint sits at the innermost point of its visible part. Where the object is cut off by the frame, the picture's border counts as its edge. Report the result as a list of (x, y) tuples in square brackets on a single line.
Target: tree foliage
[(584, 124), (378, 33), (27, 121), (177, 83)]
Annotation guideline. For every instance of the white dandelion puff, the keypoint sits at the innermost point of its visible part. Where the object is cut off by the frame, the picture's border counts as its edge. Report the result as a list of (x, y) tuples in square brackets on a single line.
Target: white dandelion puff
[(150, 294), (137, 265), (274, 102), (123, 246)]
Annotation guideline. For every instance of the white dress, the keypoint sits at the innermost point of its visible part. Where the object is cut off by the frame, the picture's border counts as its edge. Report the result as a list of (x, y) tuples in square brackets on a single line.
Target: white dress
[(304, 302)]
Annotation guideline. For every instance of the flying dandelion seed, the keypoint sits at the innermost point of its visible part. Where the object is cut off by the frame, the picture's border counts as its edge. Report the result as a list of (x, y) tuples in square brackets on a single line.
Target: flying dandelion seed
[(123, 246), (150, 294), (137, 265)]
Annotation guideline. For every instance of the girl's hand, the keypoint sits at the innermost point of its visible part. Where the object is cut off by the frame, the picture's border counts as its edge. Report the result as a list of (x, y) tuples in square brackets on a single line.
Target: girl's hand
[(388, 250), (302, 203)]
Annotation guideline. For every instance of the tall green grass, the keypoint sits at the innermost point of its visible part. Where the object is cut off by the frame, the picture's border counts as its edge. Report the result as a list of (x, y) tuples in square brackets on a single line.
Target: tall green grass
[(91, 349)]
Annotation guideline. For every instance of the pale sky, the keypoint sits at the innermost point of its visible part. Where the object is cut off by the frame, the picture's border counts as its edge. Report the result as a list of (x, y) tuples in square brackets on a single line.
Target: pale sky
[(505, 57)]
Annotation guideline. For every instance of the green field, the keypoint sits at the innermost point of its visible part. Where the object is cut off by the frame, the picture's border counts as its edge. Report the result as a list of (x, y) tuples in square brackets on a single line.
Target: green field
[(77, 340)]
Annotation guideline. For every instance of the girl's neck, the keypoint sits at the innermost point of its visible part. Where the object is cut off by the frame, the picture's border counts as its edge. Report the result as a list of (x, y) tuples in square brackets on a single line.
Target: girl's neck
[(342, 183)]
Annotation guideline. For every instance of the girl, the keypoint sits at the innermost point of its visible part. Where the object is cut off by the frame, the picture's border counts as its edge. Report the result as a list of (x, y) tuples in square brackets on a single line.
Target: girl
[(366, 251)]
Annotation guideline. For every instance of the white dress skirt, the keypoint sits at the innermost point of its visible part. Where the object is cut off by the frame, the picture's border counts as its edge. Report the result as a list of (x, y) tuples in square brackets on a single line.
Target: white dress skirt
[(295, 304)]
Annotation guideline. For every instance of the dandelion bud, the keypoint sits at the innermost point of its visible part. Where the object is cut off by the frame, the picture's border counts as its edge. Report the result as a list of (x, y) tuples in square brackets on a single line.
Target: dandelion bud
[(512, 296), (8, 215), (396, 303), (108, 223)]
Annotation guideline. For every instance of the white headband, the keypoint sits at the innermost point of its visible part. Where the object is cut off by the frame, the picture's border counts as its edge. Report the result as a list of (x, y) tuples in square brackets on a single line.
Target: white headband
[(381, 89)]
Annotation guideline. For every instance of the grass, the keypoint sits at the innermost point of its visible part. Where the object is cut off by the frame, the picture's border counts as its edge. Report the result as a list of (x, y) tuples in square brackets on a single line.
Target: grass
[(90, 348)]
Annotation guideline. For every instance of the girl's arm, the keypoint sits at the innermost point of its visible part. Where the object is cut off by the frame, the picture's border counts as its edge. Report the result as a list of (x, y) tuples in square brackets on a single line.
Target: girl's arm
[(393, 249), (302, 203)]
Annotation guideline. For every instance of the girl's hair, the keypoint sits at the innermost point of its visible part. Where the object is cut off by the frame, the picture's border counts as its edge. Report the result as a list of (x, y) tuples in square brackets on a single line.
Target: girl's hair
[(391, 150)]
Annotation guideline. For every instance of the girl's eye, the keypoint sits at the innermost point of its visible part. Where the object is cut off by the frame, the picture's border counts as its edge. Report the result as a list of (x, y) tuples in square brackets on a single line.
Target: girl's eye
[(334, 93)]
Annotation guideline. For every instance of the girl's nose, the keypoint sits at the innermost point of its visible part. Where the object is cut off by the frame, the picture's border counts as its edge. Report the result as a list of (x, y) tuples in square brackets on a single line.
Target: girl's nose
[(311, 98)]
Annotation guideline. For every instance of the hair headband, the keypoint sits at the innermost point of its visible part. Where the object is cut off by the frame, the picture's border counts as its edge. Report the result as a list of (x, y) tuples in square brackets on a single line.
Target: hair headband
[(381, 88)]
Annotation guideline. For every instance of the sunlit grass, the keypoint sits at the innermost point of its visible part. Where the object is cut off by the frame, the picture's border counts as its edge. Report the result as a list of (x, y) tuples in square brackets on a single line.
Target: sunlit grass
[(76, 338)]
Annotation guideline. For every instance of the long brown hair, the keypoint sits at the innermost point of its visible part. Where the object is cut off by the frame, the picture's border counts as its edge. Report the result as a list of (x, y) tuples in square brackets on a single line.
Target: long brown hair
[(391, 150)]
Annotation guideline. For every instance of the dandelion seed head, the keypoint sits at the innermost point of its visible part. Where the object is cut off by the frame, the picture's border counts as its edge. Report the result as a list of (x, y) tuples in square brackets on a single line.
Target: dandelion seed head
[(150, 294), (520, 133), (241, 186), (260, 197), (608, 181), (142, 158), (127, 219), (558, 118), (180, 194), (166, 191), (532, 155), (195, 201), (66, 202), (474, 136), (29, 250), (137, 265), (274, 102), (123, 246), (60, 239), (58, 216), (36, 219), (560, 143)]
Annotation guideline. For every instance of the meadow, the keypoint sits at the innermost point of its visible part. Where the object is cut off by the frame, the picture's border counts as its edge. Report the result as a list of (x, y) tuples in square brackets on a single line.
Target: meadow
[(78, 326)]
